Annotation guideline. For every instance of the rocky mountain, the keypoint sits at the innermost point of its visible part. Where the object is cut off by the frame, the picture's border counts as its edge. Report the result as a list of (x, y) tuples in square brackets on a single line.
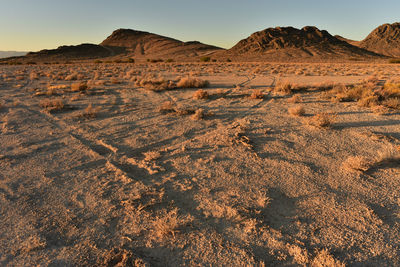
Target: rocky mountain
[(384, 40), (286, 43), (144, 44)]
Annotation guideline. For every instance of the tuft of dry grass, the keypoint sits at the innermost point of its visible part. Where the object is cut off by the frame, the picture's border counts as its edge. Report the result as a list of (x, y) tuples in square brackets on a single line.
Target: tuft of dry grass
[(322, 120), (297, 111), (284, 88), (201, 94), (191, 82), (52, 105), (357, 164), (257, 94)]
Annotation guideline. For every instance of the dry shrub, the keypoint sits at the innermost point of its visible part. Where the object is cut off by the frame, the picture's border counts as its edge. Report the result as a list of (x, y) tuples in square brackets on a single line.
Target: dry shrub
[(322, 120), (391, 89), (284, 88), (297, 111), (169, 107), (324, 259), (191, 82), (156, 85), (79, 87), (201, 94), (369, 101), (346, 93), (357, 164), (52, 105), (369, 94), (257, 94)]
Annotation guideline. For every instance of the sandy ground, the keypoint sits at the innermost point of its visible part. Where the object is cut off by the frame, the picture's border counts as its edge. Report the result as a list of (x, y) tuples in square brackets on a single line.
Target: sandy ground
[(247, 185)]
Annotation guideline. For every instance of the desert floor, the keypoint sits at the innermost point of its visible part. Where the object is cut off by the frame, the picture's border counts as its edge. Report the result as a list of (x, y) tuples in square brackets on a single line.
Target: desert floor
[(122, 174)]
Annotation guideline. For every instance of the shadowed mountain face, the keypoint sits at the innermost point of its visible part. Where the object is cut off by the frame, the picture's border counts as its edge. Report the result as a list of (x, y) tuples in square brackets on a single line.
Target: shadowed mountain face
[(73, 52), (289, 42), (142, 44), (384, 40)]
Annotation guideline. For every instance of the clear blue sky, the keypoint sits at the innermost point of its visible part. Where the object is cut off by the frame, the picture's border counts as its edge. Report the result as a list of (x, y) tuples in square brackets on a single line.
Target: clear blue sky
[(31, 25)]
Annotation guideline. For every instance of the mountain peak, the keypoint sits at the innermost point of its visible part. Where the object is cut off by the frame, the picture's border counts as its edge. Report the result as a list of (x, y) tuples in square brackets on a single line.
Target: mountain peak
[(385, 40), (289, 42)]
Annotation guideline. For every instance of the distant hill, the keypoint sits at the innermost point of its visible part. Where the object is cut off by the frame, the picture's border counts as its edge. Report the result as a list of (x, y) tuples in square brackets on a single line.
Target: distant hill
[(125, 43), (384, 40), (144, 44), (288, 43), (5, 54), (72, 52)]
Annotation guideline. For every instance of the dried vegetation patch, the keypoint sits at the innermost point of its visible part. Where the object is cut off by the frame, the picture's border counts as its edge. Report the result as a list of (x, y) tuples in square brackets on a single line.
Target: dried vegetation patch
[(53, 105), (321, 120)]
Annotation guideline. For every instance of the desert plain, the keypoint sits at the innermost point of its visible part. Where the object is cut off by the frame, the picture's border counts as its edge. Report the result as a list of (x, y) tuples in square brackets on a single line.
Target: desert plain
[(200, 164)]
